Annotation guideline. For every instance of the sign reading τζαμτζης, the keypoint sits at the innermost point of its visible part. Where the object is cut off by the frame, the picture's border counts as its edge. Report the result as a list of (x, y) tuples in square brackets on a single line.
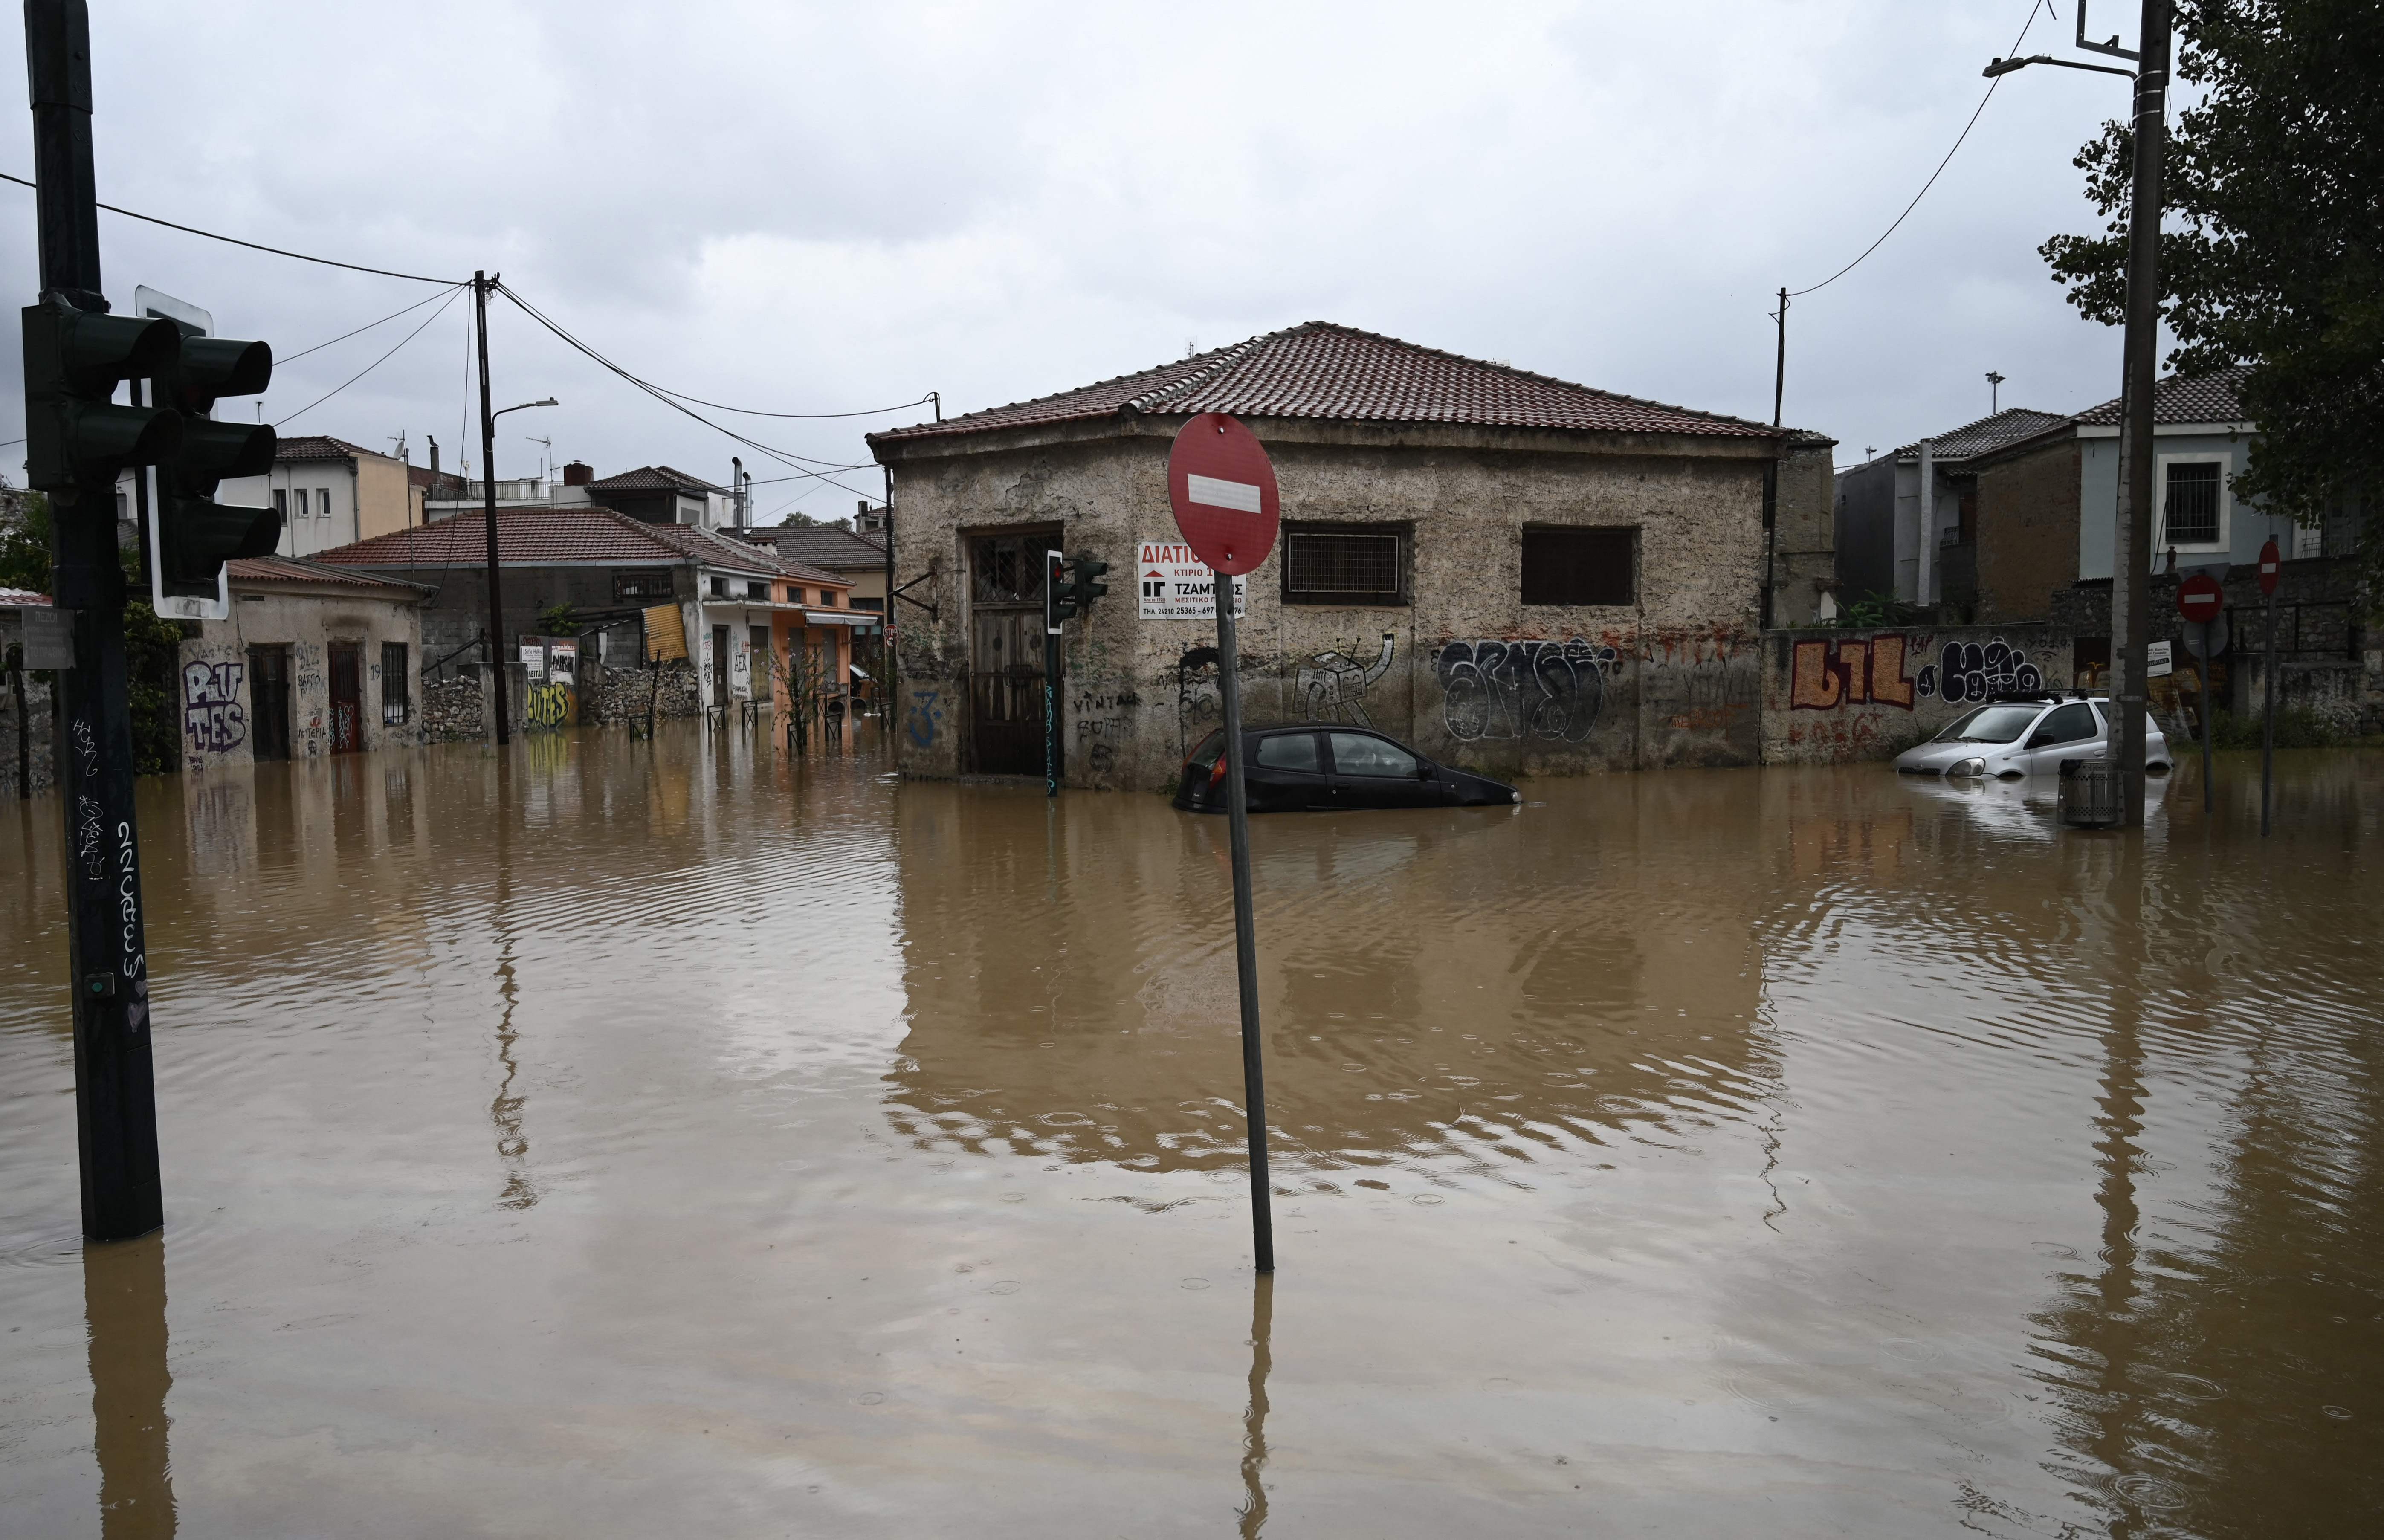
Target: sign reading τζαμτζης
[(1176, 585)]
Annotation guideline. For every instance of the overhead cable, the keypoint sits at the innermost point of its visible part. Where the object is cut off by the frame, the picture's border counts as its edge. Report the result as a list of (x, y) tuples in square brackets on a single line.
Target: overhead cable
[(276, 251), (359, 331), (375, 364), (1797, 293)]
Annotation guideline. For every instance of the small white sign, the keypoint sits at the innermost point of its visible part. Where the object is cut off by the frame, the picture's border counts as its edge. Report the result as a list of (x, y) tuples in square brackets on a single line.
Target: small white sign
[(49, 637), (1178, 585), (1240, 496), (534, 662), (2157, 664)]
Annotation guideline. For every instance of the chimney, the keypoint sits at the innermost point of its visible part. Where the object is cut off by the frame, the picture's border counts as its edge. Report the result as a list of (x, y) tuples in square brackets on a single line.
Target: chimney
[(434, 460), (578, 474)]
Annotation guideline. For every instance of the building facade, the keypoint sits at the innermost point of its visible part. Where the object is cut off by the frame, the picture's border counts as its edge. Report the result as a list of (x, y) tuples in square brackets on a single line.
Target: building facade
[(313, 660), (329, 493), (1511, 572)]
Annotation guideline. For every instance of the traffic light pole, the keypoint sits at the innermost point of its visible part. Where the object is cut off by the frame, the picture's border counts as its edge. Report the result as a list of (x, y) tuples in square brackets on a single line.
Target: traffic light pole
[(115, 1106), (489, 508)]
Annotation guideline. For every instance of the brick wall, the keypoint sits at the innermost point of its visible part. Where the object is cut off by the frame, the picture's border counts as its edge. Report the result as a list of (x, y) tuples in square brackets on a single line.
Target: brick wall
[(2027, 533)]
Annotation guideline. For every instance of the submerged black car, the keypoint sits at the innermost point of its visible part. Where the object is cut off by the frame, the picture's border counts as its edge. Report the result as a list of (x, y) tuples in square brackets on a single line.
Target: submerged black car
[(1324, 765)]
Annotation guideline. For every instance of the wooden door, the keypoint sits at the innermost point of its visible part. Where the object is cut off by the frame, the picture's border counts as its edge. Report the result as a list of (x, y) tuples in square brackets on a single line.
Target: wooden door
[(268, 702), (1006, 654), (347, 698), (720, 667)]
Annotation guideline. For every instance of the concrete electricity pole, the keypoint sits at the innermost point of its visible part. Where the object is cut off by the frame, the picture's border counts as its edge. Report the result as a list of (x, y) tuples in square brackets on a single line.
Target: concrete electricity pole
[(2132, 542)]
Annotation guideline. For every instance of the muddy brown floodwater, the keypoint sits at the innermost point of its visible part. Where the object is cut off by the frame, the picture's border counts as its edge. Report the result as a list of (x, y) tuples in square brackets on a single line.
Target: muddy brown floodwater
[(652, 1140)]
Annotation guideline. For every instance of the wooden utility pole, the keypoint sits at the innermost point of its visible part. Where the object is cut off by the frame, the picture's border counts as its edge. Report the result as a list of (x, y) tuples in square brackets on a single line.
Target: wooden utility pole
[(480, 286)]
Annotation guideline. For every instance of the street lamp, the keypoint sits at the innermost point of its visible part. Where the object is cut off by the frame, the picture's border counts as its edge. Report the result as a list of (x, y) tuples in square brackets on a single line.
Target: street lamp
[(2132, 534)]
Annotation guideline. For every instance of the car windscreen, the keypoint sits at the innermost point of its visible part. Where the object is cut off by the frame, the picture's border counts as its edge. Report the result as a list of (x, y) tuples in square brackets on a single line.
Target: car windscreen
[(1992, 725), (1204, 757)]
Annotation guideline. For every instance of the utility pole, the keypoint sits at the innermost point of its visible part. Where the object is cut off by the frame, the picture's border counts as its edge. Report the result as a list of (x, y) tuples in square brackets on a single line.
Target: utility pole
[(115, 1102), (1780, 361), (489, 509), (2132, 569)]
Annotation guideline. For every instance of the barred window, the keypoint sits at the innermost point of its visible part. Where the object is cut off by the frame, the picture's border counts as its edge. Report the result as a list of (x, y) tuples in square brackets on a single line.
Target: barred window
[(1576, 566), (641, 585), (2190, 509), (1344, 565), (395, 705)]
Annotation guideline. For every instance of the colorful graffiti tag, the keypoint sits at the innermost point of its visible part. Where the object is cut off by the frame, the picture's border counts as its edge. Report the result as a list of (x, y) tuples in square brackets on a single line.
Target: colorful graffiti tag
[(1870, 671), (549, 706)]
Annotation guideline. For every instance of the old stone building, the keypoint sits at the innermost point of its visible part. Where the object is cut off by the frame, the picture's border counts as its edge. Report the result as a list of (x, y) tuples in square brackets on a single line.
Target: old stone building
[(1509, 571)]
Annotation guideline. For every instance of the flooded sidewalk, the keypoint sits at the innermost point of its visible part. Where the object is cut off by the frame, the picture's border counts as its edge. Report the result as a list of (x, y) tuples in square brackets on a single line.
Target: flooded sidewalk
[(628, 1139)]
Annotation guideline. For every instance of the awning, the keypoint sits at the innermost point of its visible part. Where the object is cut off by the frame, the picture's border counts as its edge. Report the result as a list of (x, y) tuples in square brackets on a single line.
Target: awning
[(839, 617), (856, 671)]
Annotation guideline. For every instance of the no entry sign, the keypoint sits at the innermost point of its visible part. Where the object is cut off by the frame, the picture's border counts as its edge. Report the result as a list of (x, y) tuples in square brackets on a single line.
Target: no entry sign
[(1222, 487), (2270, 560), (2200, 599)]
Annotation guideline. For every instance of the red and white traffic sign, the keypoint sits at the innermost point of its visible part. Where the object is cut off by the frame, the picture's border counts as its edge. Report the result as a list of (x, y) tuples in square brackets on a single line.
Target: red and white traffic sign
[(2200, 599), (2270, 560), (1222, 486)]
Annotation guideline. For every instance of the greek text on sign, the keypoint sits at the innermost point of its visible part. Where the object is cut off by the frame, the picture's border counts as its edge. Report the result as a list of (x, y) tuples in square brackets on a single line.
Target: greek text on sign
[(1176, 585)]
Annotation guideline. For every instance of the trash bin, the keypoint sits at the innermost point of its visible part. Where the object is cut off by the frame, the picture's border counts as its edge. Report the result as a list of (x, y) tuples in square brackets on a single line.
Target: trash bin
[(2089, 794)]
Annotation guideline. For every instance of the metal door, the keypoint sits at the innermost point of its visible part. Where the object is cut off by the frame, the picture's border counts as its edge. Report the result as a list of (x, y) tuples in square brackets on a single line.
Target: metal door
[(720, 667), (1006, 653), (347, 698), (268, 702)]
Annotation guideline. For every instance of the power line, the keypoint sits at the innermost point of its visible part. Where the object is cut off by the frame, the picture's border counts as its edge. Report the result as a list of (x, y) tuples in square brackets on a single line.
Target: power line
[(2024, 26), (235, 240), (785, 458), (359, 331), (375, 363)]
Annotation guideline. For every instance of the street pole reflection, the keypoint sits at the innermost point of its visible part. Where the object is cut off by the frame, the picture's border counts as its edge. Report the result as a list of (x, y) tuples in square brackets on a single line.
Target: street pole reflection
[(124, 1304), (505, 1109), (1253, 1510)]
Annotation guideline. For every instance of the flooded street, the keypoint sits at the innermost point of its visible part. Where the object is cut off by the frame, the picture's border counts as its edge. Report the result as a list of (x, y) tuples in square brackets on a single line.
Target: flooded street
[(641, 1139)]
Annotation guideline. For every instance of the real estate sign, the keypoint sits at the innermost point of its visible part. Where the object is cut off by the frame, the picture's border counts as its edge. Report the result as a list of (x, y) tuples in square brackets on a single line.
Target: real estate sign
[(1178, 585)]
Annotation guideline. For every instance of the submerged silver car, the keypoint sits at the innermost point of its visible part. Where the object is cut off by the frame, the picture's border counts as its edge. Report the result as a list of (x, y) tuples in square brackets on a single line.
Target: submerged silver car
[(2021, 735)]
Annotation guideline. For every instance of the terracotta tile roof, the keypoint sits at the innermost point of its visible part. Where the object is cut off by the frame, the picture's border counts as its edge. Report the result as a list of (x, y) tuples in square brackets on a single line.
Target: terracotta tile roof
[(655, 478), (716, 550), (2213, 397), (317, 446), (824, 545), (290, 569), (22, 599), (527, 535), (1984, 436), (1321, 370)]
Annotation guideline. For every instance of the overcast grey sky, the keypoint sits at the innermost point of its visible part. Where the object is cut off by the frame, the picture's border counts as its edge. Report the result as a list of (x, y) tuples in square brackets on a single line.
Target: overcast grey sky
[(822, 208)]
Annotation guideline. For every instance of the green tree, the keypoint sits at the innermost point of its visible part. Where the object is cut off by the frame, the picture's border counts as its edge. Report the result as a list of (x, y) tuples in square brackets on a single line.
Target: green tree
[(25, 543), (2273, 181)]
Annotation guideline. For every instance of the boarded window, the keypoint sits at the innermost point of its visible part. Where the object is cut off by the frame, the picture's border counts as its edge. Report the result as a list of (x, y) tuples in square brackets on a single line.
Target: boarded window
[(1577, 565), (2190, 511), (1339, 564)]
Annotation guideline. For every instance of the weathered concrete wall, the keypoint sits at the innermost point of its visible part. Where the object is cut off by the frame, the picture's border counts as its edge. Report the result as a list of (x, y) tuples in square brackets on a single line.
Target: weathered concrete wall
[(217, 706), (1466, 672), (1804, 536), (1835, 695), (2027, 533)]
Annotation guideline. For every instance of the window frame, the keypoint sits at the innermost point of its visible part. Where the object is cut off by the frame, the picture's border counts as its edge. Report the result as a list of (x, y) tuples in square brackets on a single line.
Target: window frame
[(628, 586), (393, 683), (1402, 532), (1316, 767), (2225, 462), (1333, 753), (1632, 535)]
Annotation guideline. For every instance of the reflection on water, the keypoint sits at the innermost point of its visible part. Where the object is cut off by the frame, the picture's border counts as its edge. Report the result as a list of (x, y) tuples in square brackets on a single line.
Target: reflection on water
[(1807, 1152), (124, 1303)]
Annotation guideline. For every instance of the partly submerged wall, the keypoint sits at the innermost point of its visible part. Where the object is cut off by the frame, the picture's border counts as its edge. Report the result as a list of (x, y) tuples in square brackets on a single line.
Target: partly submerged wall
[(1834, 695)]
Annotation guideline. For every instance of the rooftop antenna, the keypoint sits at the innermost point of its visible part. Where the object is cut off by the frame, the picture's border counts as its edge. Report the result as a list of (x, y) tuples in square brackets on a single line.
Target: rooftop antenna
[(546, 461), (400, 442), (1994, 392)]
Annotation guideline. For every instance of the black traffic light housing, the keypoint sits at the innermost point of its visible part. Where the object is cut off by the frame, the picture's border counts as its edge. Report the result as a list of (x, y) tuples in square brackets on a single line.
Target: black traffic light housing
[(1088, 583), (195, 534), (75, 434), (1070, 586)]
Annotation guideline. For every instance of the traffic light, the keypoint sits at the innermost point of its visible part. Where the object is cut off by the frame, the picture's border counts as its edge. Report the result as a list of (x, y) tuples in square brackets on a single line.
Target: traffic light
[(75, 435), (1089, 585), (195, 534), (1059, 594)]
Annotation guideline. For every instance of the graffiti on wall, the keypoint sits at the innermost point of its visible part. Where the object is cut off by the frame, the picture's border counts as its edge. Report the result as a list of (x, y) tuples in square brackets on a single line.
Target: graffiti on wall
[(212, 716), (1332, 687), (1552, 691), (549, 706), (925, 718), (1198, 707), (1825, 674)]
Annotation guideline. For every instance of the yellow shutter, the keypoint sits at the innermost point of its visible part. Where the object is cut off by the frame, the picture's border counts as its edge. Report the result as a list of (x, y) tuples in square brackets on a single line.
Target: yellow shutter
[(665, 635)]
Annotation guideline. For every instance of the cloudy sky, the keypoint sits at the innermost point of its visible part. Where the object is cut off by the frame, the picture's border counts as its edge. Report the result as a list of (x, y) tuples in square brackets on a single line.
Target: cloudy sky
[(809, 208)]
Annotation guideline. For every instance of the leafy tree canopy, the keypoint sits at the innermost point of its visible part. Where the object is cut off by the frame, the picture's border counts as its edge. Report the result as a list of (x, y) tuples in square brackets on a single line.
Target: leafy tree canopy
[(2274, 182)]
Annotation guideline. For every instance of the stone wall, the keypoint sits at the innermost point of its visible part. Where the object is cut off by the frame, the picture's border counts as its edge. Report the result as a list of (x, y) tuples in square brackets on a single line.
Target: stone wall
[(1804, 534), (452, 710), (1464, 671), (615, 695), (1831, 696)]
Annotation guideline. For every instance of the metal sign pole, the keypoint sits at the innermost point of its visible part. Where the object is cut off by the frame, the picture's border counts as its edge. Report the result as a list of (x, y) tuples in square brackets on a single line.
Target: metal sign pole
[(2268, 718), (1054, 569), (1245, 963), (2208, 662)]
